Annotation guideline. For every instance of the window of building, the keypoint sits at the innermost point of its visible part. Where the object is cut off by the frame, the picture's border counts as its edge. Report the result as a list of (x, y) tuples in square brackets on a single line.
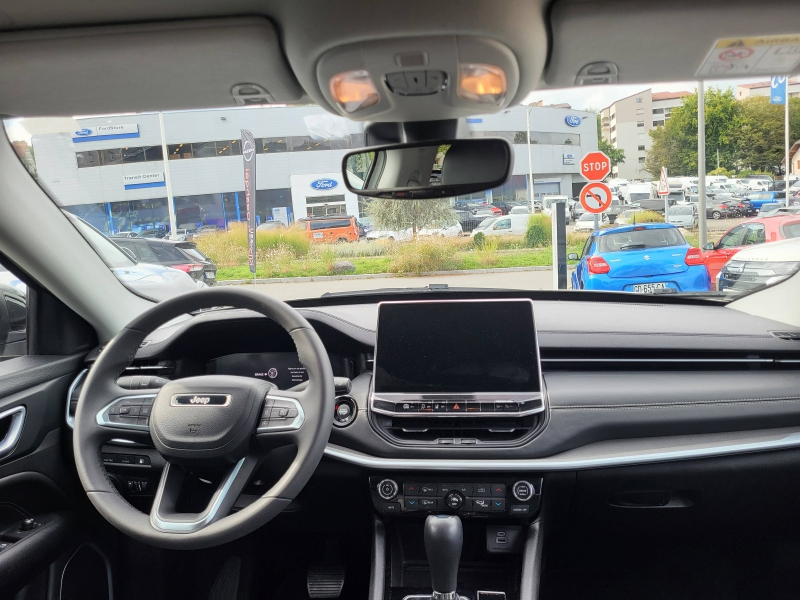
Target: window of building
[(639, 111), (640, 123), (204, 150), (272, 145), (111, 157), (224, 148), (641, 159), (658, 111), (658, 123), (177, 151), (132, 155), (89, 158), (305, 143), (236, 147), (153, 153), (641, 148), (613, 128), (613, 140), (639, 100), (613, 116)]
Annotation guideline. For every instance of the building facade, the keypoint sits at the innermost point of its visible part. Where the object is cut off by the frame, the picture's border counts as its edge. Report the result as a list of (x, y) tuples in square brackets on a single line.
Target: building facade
[(626, 124), (762, 88), (112, 171)]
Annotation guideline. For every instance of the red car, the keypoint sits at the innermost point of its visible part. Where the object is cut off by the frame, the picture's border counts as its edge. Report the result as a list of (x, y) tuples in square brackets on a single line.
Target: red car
[(754, 231)]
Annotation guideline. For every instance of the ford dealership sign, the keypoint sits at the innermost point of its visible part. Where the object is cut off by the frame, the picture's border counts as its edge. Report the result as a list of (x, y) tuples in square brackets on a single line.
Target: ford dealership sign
[(324, 184), (572, 120)]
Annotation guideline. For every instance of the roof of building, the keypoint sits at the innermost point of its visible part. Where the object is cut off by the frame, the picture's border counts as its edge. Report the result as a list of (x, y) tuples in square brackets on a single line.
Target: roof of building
[(764, 84), (670, 95)]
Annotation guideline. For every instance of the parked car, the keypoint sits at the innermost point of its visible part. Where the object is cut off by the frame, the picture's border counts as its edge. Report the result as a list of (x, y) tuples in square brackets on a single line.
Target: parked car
[(720, 210), (156, 282), (505, 207), (758, 199), (778, 209), (506, 225), (685, 216), (576, 210), (628, 216), (125, 234), (342, 228), (271, 226), (207, 230), (183, 256), (647, 258), (386, 234), (749, 233), (155, 232), (522, 209), (586, 222), (364, 226), (767, 264), (484, 225), (441, 230)]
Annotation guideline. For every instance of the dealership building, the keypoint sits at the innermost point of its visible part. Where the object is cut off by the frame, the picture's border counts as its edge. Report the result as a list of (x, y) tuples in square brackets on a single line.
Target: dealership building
[(112, 170)]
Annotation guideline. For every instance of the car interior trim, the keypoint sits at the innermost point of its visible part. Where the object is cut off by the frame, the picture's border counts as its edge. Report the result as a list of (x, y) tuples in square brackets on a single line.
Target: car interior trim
[(75, 382), (206, 516), (571, 461), (9, 442)]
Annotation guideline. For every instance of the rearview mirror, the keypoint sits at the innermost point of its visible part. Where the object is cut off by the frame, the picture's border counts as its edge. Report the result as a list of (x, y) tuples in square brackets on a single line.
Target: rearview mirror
[(423, 170)]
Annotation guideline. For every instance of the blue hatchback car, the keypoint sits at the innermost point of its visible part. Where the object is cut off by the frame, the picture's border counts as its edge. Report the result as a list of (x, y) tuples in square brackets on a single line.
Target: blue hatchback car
[(642, 258)]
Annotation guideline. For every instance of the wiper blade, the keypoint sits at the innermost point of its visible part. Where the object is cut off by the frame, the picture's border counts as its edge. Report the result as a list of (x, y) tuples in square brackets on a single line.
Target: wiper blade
[(633, 246)]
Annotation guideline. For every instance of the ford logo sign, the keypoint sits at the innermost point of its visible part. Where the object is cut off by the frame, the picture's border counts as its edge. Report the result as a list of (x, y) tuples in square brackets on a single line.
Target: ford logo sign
[(324, 184), (83, 132), (572, 120)]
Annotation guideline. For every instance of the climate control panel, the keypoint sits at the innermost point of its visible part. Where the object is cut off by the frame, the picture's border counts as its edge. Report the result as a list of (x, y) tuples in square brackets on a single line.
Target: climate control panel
[(506, 497)]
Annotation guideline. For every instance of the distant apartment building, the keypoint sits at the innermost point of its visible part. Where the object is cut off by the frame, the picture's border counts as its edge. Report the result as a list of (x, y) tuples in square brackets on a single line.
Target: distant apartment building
[(749, 90), (626, 124)]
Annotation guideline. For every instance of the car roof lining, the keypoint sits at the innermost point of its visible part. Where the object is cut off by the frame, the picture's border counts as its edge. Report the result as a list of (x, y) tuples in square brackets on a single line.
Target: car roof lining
[(189, 53)]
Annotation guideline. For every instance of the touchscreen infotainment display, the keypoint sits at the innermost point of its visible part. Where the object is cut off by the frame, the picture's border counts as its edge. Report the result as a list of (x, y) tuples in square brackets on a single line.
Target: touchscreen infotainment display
[(456, 347)]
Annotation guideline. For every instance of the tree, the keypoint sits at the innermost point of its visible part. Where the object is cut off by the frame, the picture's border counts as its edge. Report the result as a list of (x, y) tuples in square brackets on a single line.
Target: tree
[(761, 139), (615, 155), (721, 171), (399, 215), (675, 144)]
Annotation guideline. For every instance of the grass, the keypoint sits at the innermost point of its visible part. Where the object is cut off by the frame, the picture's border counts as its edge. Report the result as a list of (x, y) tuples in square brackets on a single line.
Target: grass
[(286, 254)]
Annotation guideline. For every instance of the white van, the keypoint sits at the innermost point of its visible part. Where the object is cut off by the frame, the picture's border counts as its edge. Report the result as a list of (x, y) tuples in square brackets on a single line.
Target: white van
[(507, 225), (634, 192), (548, 201)]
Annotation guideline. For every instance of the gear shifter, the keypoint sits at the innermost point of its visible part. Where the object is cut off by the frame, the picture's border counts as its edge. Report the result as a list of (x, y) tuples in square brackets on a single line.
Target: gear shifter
[(443, 539)]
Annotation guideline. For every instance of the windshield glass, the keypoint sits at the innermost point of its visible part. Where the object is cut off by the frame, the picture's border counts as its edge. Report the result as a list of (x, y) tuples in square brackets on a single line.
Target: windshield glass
[(640, 238), (131, 182)]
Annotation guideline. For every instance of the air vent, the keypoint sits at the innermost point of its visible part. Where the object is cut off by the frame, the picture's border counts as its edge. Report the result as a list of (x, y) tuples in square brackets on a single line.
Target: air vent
[(792, 336), (458, 431)]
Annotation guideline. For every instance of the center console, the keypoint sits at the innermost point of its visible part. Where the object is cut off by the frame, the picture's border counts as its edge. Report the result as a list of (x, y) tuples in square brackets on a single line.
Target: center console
[(465, 375)]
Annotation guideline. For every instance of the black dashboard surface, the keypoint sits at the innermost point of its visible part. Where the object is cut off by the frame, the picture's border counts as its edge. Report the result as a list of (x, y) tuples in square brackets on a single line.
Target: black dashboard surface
[(663, 375)]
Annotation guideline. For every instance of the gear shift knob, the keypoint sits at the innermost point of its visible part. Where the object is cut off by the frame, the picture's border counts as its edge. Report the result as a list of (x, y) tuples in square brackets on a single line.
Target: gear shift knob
[(443, 539)]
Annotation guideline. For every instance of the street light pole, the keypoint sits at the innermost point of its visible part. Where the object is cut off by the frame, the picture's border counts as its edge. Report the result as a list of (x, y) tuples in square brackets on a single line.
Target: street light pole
[(530, 159), (173, 233), (701, 163)]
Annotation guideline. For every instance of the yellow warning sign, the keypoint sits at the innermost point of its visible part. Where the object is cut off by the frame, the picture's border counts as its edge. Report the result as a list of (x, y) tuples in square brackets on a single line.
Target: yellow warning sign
[(765, 55)]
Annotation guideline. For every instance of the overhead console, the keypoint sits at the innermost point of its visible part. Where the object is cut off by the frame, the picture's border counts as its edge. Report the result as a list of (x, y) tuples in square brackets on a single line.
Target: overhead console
[(457, 373)]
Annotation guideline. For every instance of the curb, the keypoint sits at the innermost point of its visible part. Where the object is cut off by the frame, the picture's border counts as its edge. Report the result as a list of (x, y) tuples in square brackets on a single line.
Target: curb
[(382, 275)]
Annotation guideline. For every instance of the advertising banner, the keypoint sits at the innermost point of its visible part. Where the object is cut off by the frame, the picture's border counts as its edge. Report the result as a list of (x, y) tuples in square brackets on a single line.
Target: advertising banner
[(249, 157)]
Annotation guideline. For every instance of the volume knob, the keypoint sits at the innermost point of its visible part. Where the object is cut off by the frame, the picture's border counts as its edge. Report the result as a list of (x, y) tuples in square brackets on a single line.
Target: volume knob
[(387, 489)]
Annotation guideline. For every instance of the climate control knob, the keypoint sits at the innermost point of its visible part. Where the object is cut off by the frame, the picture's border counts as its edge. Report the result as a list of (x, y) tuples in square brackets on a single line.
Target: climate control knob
[(387, 489), (454, 500)]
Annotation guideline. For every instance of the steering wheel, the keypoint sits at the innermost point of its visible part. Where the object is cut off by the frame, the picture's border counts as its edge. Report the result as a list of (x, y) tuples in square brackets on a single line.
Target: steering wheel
[(218, 424)]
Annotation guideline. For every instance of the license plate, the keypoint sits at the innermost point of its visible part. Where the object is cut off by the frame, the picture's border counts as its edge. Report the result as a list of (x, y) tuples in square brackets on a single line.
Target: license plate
[(649, 288), (318, 236), (210, 275)]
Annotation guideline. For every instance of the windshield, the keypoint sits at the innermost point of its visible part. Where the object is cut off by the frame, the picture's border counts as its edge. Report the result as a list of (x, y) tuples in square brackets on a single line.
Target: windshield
[(640, 238), (133, 181)]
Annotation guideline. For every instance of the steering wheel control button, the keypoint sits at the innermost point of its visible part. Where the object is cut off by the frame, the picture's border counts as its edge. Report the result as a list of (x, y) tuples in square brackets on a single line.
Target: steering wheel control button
[(387, 489), (280, 414), (454, 501), (523, 491)]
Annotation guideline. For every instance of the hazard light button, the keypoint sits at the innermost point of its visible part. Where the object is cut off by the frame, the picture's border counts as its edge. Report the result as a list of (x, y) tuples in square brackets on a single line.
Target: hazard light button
[(457, 407)]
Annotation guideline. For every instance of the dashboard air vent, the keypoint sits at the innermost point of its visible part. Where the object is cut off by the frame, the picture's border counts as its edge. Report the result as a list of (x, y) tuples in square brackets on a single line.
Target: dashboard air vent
[(792, 336), (458, 431)]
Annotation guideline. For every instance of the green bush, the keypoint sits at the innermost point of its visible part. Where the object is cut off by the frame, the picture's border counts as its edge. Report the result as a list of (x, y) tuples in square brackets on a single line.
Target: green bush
[(423, 255), (229, 248), (479, 239), (750, 172), (721, 171), (647, 216), (540, 232)]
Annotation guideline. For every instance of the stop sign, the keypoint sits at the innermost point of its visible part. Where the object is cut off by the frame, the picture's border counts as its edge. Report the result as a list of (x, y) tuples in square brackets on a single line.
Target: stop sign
[(595, 166)]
